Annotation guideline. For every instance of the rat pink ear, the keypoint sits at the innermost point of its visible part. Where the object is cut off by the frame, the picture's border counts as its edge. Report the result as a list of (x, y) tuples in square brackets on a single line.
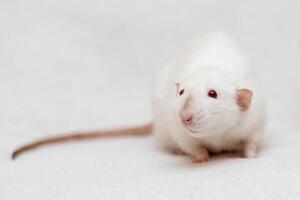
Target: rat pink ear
[(243, 98)]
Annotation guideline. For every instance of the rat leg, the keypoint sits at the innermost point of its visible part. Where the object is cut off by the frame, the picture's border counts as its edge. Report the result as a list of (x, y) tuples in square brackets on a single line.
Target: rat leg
[(201, 155), (192, 148), (177, 151), (250, 149), (165, 140)]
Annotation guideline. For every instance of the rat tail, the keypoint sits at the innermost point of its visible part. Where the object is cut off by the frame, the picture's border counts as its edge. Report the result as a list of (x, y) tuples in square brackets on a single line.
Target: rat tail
[(135, 131)]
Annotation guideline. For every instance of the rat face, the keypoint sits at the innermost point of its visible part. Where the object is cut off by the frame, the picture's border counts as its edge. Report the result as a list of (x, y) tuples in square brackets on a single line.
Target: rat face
[(209, 108)]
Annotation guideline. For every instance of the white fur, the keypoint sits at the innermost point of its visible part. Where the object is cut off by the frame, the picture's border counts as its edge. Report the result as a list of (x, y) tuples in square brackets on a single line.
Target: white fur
[(211, 61)]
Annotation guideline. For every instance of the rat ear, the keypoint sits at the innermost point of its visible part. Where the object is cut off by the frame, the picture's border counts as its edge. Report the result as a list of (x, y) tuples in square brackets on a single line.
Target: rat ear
[(243, 98)]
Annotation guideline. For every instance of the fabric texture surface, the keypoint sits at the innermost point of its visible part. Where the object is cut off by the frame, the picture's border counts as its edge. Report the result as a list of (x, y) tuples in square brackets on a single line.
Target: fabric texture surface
[(83, 65)]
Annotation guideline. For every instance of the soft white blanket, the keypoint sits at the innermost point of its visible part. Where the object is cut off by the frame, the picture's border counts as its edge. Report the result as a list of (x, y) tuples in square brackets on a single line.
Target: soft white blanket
[(81, 65)]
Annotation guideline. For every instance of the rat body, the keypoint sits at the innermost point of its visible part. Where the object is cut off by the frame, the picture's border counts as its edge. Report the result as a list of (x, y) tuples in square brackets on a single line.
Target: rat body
[(206, 99)]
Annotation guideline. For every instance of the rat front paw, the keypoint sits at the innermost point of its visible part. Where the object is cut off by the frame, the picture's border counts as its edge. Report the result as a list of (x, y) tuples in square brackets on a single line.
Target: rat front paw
[(250, 149), (178, 152), (200, 160), (201, 155)]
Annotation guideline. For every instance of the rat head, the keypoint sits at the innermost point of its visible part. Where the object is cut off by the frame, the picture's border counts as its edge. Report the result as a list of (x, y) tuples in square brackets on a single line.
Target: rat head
[(205, 108)]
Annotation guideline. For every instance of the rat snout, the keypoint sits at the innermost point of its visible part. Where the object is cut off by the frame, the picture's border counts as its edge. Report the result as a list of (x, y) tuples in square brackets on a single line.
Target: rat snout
[(187, 117)]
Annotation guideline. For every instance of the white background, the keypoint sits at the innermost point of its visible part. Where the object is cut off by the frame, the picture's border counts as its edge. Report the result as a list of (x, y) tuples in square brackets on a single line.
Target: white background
[(81, 65)]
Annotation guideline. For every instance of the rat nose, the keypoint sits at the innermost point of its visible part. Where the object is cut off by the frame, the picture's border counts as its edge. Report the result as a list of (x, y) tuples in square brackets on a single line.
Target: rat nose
[(187, 118)]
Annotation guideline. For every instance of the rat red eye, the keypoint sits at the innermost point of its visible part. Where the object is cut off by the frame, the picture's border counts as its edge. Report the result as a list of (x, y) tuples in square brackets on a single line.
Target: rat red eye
[(213, 94), (181, 92)]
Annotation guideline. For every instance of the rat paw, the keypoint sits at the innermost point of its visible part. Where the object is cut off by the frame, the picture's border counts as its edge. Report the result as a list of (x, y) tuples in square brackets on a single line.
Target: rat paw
[(178, 152), (201, 155), (197, 161), (250, 154), (250, 149)]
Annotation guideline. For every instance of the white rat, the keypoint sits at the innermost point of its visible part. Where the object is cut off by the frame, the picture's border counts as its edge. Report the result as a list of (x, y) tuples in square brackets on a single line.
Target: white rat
[(206, 99)]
